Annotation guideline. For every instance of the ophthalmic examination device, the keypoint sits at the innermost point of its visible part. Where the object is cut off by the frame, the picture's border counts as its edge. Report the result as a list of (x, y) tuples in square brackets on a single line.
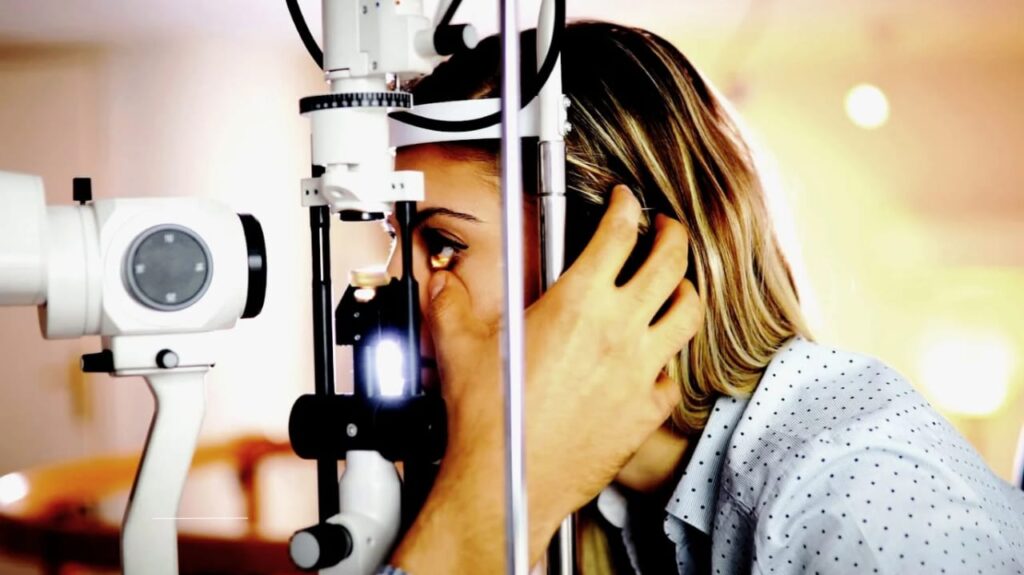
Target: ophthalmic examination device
[(159, 279), (162, 279), (369, 50)]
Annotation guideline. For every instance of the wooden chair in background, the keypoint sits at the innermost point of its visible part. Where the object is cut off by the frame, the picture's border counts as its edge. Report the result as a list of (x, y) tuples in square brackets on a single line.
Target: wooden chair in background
[(54, 521)]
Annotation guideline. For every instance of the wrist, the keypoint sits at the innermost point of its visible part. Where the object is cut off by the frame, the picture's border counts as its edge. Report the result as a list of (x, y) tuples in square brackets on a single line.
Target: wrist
[(458, 530)]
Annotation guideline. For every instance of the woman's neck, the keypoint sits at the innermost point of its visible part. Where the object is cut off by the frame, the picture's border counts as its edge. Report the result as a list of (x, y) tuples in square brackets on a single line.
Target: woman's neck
[(653, 468)]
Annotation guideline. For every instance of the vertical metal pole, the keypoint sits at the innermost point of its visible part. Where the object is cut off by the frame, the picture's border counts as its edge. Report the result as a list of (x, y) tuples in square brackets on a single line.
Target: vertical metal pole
[(516, 528), (562, 550), (551, 158), (323, 346), (405, 212)]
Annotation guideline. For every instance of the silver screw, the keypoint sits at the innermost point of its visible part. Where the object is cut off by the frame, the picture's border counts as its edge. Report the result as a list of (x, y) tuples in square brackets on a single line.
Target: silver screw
[(351, 430), (566, 102)]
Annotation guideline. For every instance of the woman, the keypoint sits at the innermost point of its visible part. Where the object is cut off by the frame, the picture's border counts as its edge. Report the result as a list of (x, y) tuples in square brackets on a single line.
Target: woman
[(671, 360)]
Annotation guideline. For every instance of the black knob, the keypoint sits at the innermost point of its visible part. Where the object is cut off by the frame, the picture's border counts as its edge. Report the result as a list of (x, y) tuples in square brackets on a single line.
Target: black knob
[(320, 546), (81, 190), (102, 362), (167, 359), (454, 38)]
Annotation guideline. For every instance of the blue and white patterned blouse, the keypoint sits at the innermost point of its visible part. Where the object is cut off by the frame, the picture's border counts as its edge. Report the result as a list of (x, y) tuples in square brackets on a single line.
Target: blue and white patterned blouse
[(835, 465)]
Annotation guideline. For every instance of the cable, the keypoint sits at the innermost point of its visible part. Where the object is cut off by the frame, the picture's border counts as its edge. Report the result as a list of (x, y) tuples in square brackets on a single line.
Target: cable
[(554, 51), (449, 13), (304, 33)]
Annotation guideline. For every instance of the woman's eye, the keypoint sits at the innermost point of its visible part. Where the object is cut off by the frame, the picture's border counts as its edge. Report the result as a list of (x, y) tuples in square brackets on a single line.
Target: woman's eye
[(442, 250), (442, 260)]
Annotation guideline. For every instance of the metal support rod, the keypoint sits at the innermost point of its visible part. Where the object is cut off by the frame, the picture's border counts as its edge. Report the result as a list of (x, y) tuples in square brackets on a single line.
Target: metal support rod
[(516, 527), (405, 212), (323, 346), (562, 551), (551, 160)]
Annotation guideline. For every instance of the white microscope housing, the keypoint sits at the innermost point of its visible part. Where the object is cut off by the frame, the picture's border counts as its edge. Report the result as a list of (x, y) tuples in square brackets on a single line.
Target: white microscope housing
[(153, 268), (158, 279)]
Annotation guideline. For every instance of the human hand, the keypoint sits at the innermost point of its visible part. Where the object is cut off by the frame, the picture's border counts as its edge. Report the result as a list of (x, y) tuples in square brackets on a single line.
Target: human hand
[(595, 389)]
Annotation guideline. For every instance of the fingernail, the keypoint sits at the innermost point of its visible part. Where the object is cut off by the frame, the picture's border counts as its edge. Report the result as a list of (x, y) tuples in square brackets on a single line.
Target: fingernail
[(437, 284)]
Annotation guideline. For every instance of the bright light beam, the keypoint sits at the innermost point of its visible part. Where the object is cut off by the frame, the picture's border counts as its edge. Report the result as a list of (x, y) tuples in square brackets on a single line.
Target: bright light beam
[(390, 368)]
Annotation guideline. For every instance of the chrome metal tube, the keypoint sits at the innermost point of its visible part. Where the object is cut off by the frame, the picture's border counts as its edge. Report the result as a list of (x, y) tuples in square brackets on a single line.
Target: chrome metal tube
[(516, 528), (552, 211), (551, 156)]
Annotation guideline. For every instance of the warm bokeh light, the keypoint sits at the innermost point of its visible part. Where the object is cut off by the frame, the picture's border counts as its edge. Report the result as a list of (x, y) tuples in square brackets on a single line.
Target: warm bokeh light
[(13, 488), (867, 106), (966, 373)]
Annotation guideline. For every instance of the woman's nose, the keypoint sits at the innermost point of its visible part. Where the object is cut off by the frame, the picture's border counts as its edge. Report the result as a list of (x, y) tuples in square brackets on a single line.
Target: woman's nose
[(420, 273), (394, 268)]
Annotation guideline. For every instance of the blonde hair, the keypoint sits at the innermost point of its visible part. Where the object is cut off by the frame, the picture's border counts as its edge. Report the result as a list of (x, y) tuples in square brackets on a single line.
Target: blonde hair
[(642, 116)]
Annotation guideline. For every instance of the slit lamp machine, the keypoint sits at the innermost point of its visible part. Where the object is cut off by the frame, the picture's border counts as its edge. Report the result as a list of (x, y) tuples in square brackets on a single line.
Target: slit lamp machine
[(161, 280)]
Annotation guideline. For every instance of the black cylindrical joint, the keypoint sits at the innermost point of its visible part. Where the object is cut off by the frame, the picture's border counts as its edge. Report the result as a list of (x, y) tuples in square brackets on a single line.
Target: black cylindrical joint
[(256, 251), (453, 38), (320, 547), (400, 428)]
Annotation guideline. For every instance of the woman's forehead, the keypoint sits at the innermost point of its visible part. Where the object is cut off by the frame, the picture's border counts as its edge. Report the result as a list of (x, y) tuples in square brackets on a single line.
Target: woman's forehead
[(449, 182)]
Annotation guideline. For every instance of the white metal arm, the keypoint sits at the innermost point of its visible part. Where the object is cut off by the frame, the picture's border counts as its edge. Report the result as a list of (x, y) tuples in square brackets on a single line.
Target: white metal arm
[(149, 538)]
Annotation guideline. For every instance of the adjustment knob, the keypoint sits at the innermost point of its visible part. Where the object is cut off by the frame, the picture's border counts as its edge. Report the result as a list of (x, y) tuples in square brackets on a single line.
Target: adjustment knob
[(102, 362), (81, 190), (455, 38), (320, 546), (167, 359)]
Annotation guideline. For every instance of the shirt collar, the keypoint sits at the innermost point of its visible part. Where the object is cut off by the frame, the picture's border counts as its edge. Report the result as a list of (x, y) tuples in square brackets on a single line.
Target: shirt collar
[(693, 500)]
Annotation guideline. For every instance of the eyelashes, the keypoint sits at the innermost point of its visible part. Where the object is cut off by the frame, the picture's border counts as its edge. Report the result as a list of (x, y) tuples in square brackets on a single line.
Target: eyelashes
[(443, 250)]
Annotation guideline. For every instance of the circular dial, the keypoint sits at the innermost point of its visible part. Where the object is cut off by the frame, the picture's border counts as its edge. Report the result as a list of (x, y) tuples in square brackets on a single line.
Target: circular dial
[(355, 100), (168, 268)]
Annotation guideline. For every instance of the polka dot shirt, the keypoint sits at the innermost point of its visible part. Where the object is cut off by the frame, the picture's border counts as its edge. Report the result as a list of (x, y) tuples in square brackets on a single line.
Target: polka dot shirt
[(836, 465)]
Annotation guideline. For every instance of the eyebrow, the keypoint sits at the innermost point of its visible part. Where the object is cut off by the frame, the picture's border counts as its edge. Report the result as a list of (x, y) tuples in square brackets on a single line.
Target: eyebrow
[(425, 214)]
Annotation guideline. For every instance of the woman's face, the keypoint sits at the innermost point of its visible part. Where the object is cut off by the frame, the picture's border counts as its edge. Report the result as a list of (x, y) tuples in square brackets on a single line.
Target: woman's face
[(458, 229)]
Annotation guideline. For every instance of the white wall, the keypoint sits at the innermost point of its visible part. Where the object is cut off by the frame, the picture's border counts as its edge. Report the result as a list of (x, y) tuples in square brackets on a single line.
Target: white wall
[(214, 118)]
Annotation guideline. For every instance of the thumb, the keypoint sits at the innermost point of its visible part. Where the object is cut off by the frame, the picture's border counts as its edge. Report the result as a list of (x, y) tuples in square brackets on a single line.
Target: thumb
[(449, 312)]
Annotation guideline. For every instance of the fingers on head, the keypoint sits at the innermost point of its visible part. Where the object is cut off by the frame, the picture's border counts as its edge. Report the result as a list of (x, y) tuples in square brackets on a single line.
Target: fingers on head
[(680, 322), (615, 237), (664, 268)]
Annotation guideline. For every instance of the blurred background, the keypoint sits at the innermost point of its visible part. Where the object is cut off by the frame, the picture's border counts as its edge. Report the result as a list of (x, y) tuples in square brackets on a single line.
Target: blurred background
[(892, 135)]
